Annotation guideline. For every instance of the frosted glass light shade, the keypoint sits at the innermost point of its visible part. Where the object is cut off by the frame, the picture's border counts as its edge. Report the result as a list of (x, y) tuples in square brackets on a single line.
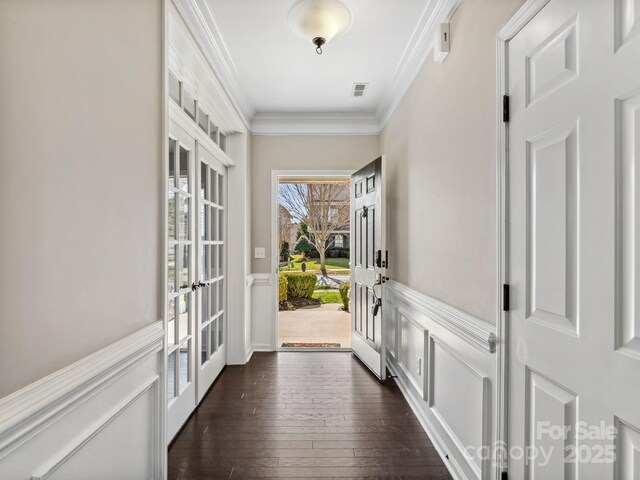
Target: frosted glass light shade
[(319, 18)]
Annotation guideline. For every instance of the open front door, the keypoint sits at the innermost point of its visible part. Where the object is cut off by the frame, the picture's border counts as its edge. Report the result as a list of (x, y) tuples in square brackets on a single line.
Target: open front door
[(368, 265)]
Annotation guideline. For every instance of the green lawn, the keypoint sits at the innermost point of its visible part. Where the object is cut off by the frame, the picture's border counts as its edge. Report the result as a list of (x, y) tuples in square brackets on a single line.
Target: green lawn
[(338, 265), (327, 297)]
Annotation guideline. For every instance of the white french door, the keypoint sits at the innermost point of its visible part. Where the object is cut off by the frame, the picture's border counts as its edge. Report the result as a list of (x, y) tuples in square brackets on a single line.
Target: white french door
[(574, 148), (368, 266), (181, 387), (211, 291)]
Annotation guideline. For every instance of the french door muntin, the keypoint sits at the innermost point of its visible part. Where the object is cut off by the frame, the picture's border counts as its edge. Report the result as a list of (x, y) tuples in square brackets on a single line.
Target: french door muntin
[(181, 390), (211, 291)]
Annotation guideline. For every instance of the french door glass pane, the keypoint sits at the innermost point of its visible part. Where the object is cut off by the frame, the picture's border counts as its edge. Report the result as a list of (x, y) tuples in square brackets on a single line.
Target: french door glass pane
[(171, 269), (172, 216), (220, 258), (213, 184), (171, 327), (171, 375), (212, 221), (220, 190), (213, 305), (220, 295), (183, 259), (203, 222), (214, 334), (214, 261), (203, 181), (184, 170), (183, 218), (172, 162), (220, 330), (183, 315), (185, 367), (204, 298), (204, 344), (220, 224)]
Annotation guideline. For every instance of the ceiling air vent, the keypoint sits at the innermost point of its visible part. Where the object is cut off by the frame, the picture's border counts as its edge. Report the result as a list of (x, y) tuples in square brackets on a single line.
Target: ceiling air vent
[(359, 89)]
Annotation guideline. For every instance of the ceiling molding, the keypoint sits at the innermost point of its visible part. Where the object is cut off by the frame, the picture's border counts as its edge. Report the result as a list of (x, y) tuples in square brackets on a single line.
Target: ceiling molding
[(315, 124), (204, 29), (200, 20), (415, 54)]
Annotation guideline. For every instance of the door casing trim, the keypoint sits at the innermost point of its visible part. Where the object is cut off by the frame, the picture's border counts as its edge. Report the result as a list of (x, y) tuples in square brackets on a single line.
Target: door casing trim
[(275, 175), (525, 14)]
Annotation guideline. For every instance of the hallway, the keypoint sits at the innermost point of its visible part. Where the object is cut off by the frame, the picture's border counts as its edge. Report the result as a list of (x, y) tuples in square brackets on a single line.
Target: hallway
[(303, 415)]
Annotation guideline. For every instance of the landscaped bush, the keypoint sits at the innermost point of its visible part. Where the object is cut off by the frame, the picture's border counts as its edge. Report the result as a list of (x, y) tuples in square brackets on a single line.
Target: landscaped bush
[(337, 252), (344, 295), (299, 284), (282, 288)]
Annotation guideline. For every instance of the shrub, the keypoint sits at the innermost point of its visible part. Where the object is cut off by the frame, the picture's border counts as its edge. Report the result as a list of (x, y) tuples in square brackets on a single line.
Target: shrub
[(337, 252), (282, 288), (284, 252), (344, 295), (303, 246), (299, 284)]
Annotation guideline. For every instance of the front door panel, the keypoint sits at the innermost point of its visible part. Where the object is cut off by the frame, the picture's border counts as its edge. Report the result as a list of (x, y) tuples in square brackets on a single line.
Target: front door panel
[(368, 266)]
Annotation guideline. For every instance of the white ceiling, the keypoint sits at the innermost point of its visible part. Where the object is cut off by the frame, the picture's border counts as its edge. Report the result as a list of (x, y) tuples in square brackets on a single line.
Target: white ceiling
[(281, 72), (276, 78)]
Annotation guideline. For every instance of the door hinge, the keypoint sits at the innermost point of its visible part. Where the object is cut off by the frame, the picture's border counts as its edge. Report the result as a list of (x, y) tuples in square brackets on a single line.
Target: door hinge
[(505, 108), (505, 297)]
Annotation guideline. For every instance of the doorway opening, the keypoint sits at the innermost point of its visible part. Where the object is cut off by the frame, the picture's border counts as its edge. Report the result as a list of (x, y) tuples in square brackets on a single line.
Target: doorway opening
[(313, 261)]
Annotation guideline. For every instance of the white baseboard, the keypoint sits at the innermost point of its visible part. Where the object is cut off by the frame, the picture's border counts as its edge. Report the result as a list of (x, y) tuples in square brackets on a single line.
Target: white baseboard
[(436, 439), (70, 424)]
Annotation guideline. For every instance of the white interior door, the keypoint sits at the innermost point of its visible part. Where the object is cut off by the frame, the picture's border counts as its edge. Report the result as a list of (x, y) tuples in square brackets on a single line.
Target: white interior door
[(211, 291), (180, 282), (368, 265), (574, 145)]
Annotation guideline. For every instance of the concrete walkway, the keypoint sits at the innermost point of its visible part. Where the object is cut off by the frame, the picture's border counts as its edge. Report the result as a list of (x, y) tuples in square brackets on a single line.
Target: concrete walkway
[(323, 324)]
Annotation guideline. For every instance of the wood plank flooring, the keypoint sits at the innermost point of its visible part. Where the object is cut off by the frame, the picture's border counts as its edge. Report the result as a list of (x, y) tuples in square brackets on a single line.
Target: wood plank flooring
[(303, 415)]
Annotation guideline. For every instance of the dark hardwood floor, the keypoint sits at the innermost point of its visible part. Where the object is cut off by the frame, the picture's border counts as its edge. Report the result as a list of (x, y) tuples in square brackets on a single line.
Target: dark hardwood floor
[(303, 415)]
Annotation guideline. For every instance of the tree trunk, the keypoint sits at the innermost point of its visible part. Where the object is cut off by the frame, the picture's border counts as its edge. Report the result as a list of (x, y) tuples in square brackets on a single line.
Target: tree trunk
[(323, 265)]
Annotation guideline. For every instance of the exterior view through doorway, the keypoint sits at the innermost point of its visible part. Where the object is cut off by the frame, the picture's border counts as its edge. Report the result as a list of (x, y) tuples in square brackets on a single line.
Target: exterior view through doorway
[(313, 261)]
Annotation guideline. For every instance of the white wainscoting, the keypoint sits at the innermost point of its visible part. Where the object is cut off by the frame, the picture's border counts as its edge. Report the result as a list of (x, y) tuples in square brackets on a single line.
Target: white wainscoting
[(263, 310), (100, 418), (445, 365)]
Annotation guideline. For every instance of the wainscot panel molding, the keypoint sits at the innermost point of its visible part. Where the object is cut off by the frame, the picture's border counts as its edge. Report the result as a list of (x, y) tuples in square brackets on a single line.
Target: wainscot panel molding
[(475, 331), (71, 423), (445, 366), (262, 311)]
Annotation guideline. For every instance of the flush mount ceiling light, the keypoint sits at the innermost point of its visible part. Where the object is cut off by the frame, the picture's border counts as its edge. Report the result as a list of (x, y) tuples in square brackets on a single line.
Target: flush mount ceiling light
[(319, 20)]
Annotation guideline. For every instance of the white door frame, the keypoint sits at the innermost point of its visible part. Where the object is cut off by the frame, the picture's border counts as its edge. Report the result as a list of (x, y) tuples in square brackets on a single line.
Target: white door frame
[(275, 175), (510, 29)]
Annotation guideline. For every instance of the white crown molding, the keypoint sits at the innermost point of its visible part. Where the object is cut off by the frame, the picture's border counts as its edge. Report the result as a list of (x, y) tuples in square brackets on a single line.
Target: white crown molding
[(204, 29), (415, 54), (201, 21), (315, 124)]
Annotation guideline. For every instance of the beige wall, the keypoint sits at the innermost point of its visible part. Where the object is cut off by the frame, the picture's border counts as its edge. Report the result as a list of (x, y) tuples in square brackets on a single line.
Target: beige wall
[(80, 188), (440, 147), (323, 152)]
